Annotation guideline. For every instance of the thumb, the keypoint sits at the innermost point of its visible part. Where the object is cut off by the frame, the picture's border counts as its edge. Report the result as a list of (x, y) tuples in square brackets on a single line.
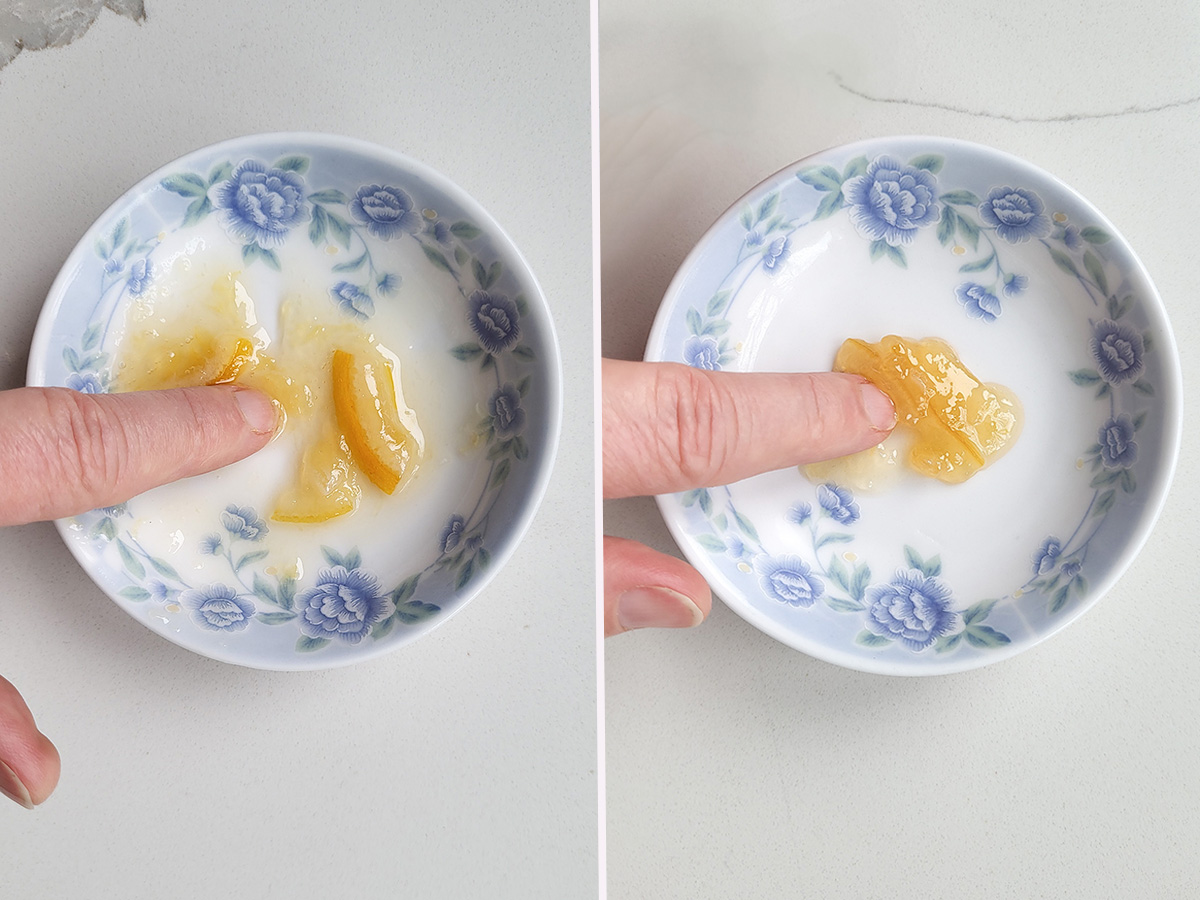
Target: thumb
[(29, 764), (647, 589), (63, 452), (669, 427)]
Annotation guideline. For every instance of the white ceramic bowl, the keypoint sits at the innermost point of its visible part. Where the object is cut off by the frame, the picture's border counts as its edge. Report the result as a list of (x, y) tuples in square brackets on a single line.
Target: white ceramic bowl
[(1036, 290), (383, 240)]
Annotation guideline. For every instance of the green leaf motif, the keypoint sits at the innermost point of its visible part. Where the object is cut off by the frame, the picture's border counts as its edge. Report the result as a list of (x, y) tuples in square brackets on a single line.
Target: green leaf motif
[(1142, 386), (247, 558), (465, 574), (705, 499), (768, 205), (351, 265), (465, 231), (825, 178), (1085, 377), (746, 219), (746, 525), (711, 543), (969, 231), (854, 168), (295, 163), (91, 337), (329, 195), (1095, 269), (862, 578), (263, 589), (960, 198), (877, 249), (196, 211), (930, 162), (871, 639), (841, 604), (318, 226), (1094, 235), (834, 537), (985, 637), (275, 618), (717, 304), (896, 255), (163, 568), (1064, 262), (71, 358), (136, 569), (837, 572), (339, 228), (978, 612), (353, 559), (1058, 600), (308, 644), (220, 172), (406, 589), (1104, 503), (466, 351), (136, 594), (979, 265), (694, 322), (946, 226), (252, 252), (829, 205), (185, 184), (415, 611), (524, 352), (501, 474), (435, 256), (947, 642)]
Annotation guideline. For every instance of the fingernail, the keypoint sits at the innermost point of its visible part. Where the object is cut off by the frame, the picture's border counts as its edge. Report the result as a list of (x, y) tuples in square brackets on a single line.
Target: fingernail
[(656, 607), (12, 788), (878, 406), (258, 411)]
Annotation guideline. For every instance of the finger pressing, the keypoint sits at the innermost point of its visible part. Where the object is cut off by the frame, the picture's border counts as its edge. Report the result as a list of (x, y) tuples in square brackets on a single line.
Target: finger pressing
[(29, 763), (670, 427), (63, 452), (647, 589)]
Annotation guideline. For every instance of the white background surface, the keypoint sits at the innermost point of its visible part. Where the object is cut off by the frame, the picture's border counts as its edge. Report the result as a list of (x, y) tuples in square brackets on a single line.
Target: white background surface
[(737, 767), (462, 766)]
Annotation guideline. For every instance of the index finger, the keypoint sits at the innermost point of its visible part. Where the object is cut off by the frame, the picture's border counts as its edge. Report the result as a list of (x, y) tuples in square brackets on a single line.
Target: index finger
[(669, 427)]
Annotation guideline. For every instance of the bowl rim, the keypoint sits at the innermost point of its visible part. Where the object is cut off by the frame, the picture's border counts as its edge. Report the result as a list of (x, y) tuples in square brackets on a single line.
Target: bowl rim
[(536, 298), (1172, 406)]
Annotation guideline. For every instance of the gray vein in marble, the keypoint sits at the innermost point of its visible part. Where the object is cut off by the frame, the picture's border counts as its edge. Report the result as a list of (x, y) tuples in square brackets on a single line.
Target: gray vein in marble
[(38, 24), (1134, 110)]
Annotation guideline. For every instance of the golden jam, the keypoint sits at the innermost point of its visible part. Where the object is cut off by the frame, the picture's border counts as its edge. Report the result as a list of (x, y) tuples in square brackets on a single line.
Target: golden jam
[(336, 387), (958, 424)]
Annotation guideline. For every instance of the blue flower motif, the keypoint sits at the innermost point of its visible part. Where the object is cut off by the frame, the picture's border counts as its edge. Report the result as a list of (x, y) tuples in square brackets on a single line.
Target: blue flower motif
[(1015, 285), (980, 303), (353, 300), (1015, 213), (1118, 449), (890, 201), (260, 206), (838, 502), (1071, 569), (344, 604), (1072, 238), (112, 265), (243, 522), (474, 542), (139, 277), (702, 351), (387, 211), (915, 609), (799, 513), (451, 534), (1046, 556), (387, 284), (775, 254), (441, 232), (789, 580), (1118, 351), (494, 319), (504, 406), (85, 383), (735, 546), (210, 544), (753, 238), (158, 590), (217, 608)]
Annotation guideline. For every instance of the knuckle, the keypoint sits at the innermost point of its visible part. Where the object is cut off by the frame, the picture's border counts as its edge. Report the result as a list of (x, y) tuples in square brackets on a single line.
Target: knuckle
[(700, 416), (88, 443)]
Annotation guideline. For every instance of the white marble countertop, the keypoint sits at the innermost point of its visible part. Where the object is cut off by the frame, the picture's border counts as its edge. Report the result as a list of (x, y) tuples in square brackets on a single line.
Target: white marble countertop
[(461, 766), (739, 767)]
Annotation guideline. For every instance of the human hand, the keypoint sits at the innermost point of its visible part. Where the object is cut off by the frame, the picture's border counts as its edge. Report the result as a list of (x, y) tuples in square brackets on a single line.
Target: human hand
[(63, 452), (668, 427)]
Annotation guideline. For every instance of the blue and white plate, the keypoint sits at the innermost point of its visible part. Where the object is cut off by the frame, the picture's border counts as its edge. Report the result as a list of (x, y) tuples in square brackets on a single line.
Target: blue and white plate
[(381, 240), (1036, 290)]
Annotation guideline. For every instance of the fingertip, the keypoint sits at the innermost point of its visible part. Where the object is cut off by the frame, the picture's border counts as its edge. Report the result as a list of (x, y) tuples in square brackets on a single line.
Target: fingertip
[(878, 407), (258, 410), (644, 588)]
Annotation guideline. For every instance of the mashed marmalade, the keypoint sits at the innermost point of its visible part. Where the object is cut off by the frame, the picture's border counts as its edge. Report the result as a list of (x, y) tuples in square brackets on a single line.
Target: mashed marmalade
[(335, 385), (956, 423)]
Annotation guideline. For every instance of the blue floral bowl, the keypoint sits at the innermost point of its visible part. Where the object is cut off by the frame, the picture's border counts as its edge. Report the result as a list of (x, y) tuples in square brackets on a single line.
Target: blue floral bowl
[(379, 239), (1036, 290)]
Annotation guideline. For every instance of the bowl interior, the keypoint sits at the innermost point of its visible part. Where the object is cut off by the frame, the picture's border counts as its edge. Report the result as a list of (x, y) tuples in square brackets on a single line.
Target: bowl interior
[(1035, 289), (368, 236)]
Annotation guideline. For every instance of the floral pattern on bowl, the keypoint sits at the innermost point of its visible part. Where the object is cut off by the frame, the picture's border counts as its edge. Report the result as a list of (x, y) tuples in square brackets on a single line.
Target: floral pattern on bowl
[(377, 231), (1036, 290)]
